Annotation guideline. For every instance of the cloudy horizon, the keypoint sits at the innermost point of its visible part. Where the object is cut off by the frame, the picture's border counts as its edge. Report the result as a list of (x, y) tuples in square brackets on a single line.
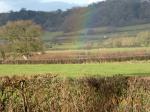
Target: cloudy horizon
[(45, 5)]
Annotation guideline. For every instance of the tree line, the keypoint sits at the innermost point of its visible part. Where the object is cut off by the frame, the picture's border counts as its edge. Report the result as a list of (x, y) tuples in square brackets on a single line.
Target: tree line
[(105, 13)]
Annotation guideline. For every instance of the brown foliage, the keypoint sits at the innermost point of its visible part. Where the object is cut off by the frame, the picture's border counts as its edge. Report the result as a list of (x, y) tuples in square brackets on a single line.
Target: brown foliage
[(82, 57), (49, 93)]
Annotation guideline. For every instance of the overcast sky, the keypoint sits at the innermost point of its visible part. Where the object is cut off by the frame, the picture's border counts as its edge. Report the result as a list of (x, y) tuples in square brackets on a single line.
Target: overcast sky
[(73, 1), (7, 5)]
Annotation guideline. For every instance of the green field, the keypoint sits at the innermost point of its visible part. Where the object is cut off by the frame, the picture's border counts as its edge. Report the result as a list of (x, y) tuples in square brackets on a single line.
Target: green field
[(103, 50), (79, 39), (75, 70)]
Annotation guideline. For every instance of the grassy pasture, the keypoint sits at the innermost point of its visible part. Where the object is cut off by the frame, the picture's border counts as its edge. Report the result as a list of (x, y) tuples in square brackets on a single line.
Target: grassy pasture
[(94, 36), (93, 53), (102, 50), (77, 70)]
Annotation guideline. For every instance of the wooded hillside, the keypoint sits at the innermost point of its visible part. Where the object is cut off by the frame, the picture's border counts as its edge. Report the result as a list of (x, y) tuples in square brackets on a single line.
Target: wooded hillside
[(106, 13)]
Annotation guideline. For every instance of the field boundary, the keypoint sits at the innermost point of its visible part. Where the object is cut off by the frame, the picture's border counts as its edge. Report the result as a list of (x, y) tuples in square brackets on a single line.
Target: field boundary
[(77, 60)]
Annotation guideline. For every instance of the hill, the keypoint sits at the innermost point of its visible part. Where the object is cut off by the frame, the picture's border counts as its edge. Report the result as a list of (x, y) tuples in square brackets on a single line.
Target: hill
[(106, 13), (97, 37)]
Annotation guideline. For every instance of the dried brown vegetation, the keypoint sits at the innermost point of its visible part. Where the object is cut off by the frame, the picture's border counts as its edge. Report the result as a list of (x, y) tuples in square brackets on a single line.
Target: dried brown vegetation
[(66, 57), (50, 93)]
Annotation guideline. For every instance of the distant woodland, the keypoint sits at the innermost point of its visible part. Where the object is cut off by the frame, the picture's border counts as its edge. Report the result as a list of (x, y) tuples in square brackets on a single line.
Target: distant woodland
[(106, 13)]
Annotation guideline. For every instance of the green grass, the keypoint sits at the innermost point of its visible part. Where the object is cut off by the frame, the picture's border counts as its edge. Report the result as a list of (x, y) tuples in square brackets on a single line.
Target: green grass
[(79, 39), (75, 70), (103, 50), (146, 49)]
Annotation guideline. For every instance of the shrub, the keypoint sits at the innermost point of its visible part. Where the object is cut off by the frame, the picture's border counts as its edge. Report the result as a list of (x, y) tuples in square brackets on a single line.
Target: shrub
[(50, 93)]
